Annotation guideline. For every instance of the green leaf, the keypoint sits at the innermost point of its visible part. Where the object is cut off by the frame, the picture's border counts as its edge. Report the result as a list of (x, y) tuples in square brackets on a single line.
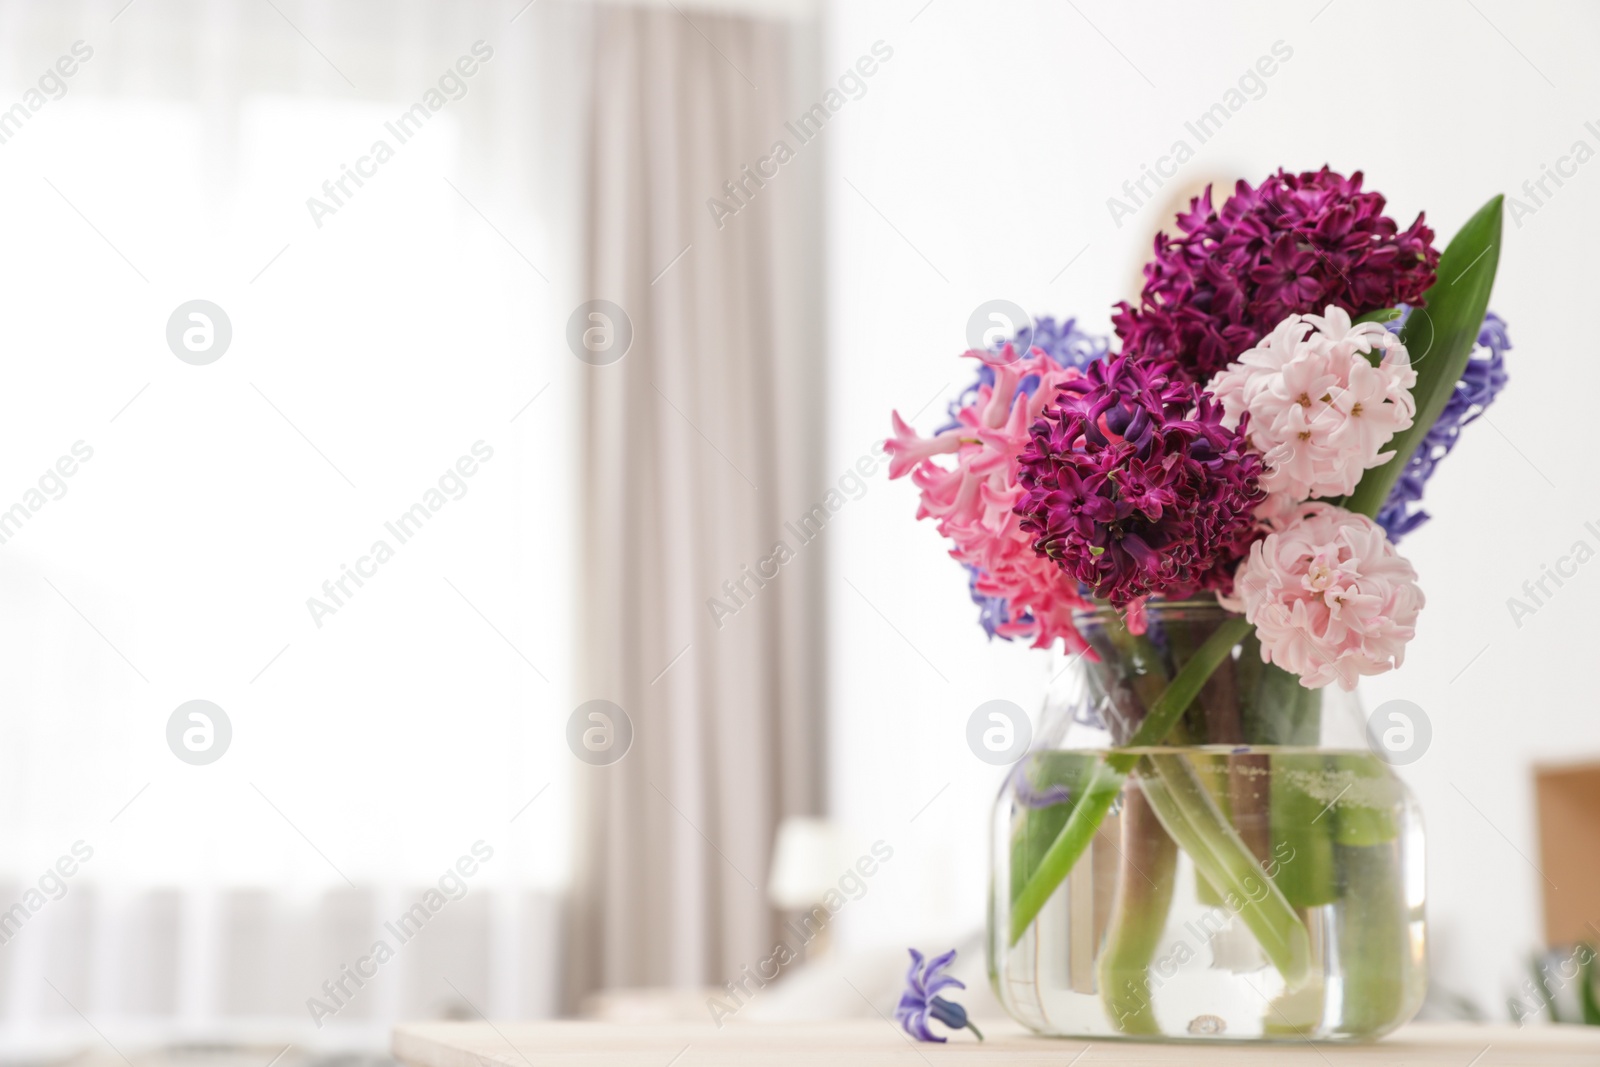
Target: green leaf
[(1439, 337), (1381, 315)]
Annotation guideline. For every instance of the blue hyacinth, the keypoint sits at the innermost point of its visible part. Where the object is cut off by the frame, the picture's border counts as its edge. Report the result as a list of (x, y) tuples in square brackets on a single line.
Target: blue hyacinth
[(921, 998), (1481, 382)]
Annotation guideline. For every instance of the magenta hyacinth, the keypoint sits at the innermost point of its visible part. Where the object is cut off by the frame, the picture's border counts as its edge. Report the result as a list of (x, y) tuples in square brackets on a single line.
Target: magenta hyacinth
[(1293, 245), (1134, 487)]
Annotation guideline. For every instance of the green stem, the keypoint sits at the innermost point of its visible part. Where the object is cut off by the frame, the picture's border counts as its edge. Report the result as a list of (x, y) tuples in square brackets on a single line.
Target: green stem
[(1138, 918), (1190, 815), (1372, 939), (1365, 812), (1101, 790), (1302, 829), (1106, 782), (1034, 828)]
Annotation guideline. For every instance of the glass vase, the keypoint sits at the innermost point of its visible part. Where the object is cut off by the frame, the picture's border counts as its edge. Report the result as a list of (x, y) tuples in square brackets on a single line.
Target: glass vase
[(1255, 872)]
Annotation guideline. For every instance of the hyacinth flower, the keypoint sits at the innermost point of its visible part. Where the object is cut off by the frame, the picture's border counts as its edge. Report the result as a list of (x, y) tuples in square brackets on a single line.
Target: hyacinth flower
[(924, 982), (1133, 484), (1293, 244), (1330, 598), (994, 612), (1481, 381), (972, 497), (1324, 396), (1067, 346), (1065, 343)]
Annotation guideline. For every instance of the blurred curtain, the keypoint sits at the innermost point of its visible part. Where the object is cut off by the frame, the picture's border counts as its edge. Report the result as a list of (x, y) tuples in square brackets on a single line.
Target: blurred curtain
[(696, 448)]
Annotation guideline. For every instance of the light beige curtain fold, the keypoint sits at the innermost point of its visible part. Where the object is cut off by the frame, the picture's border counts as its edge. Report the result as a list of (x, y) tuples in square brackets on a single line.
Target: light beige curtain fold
[(696, 448)]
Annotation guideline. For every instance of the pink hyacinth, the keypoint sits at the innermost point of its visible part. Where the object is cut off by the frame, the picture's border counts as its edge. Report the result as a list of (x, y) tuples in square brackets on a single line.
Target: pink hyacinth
[(1330, 597), (972, 502), (1320, 411)]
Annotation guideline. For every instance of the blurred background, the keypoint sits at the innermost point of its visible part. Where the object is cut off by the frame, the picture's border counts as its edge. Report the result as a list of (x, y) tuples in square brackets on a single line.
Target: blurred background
[(592, 316)]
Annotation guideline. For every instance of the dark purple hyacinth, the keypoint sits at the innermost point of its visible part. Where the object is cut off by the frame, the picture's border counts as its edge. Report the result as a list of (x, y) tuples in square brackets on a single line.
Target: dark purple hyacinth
[(1135, 488), (1292, 245), (1481, 381), (921, 999)]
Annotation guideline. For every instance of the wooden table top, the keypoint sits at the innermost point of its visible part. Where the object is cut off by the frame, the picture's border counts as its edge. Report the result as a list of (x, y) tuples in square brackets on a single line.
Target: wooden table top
[(859, 1042)]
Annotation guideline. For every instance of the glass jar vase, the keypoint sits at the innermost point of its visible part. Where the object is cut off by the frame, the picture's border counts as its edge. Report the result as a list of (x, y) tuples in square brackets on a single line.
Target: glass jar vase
[(1198, 847)]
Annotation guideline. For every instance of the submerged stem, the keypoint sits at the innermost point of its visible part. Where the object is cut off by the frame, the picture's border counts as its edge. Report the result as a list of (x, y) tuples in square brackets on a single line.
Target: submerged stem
[(1191, 817), (1144, 899), (1106, 782)]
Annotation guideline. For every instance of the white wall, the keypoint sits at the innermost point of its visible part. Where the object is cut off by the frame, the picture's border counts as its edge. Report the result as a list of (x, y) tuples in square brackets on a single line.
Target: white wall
[(979, 164)]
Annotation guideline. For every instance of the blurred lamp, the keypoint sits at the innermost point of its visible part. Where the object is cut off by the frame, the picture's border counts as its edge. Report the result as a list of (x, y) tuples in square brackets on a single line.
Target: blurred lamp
[(806, 863)]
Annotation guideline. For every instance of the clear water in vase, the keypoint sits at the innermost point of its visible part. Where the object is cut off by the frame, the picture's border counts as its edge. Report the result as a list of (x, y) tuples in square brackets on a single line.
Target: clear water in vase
[(1224, 892)]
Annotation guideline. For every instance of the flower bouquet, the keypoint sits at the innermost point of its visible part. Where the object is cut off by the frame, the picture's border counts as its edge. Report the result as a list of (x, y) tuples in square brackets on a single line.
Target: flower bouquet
[(1205, 516)]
